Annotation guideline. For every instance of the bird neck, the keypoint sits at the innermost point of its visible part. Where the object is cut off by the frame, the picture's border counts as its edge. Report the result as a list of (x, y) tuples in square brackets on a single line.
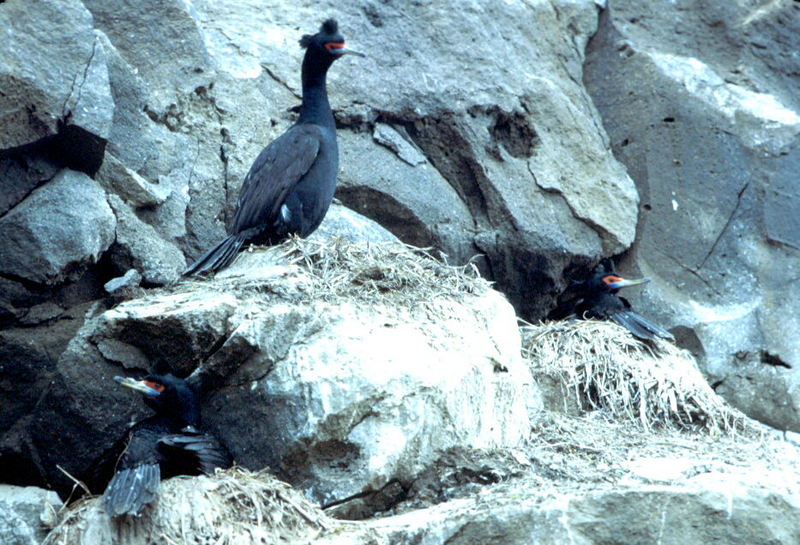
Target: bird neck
[(316, 108), (191, 415), (188, 414)]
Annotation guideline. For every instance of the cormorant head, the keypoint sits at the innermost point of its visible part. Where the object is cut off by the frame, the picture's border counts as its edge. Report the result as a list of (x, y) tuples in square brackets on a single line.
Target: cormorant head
[(168, 395), (605, 279), (612, 282), (327, 45)]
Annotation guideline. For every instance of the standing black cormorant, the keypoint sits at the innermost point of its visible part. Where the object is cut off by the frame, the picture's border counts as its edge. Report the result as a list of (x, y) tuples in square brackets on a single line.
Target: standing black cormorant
[(292, 181), (596, 298), (164, 445)]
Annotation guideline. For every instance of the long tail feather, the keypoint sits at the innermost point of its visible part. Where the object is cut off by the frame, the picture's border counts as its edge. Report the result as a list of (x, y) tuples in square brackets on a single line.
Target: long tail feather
[(131, 489), (218, 257), (640, 326)]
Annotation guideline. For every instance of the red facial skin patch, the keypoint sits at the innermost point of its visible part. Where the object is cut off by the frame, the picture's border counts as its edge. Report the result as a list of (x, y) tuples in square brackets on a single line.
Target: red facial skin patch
[(330, 46), (155, 386), (610, 279)]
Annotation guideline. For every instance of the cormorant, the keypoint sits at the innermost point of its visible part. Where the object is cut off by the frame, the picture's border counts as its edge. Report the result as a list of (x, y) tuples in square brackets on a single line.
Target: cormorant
[(161, 446), (596, 298), (292, 181)]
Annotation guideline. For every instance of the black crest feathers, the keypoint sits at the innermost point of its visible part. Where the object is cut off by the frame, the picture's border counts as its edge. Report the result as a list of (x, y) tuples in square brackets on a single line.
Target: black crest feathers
[(605, 266), (329, 27)]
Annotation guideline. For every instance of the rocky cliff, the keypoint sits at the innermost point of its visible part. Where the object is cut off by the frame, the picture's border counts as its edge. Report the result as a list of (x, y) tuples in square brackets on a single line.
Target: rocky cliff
[(527, 139)]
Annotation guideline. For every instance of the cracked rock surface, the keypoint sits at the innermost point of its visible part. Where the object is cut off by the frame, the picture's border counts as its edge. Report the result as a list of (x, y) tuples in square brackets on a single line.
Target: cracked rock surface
[(57, 230), (67, 84), (702, 108), (338, 396)]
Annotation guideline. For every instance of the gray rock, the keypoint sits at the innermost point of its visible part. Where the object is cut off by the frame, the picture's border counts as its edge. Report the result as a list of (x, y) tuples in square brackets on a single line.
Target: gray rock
[(340, 397), (161, 39), (400, 144), (138, 245), (19, 175), (423, 210), (57, 230), (26, 514), (148, 164), (129, 356), (68, 82), (342, 222), (348, 418), (699, 107), (138, 192), (77, 418), (472, 173), (132, 278), (40, 313), (28, 357), (723, 508), (725, 505)]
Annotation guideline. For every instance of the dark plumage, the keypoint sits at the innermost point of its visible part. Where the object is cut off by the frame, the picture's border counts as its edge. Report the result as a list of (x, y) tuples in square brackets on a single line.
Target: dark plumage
[(292, 181), (596, 298), (161, 446)]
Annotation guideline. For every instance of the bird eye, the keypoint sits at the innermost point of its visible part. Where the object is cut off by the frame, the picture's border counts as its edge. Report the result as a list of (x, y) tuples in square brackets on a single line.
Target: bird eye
[(155, 386), (611, 279)]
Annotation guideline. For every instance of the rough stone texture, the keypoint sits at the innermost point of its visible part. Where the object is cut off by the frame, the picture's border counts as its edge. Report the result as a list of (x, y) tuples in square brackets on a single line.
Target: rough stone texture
[(68, 83), (459, 157), (342, 222), (28, 357), (26, 514), (58, 229), (19, 175), (424, 210), (138, 192), (160, 38), (700, 103), (138, 245), (711, 508), (580, 491), (338, 397), (130, 279), (355, 397), (460, 160)]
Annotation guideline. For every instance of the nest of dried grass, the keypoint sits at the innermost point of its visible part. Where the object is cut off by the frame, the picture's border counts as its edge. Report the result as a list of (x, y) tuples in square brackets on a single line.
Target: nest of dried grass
[(371, 271), (599, 365), (232, 507)]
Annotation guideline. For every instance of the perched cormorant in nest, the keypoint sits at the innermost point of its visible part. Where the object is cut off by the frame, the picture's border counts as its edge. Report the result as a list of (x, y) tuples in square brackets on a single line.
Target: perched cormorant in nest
[(161, 446), (291, 183), (596, 298)]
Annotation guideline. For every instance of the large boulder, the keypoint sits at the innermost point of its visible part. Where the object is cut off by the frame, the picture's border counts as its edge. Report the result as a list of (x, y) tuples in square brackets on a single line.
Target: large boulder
[(700, 104), (57, 230), (65, 91), (454, 158), (650, 488), (724, 508), (138, 245), (462, 161), (343, 373), (26, 514)]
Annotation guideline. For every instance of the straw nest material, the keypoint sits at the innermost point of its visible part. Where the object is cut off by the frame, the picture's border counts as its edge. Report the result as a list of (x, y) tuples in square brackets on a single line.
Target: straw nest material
[(372, 271), (601, 366), (231, 507)]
